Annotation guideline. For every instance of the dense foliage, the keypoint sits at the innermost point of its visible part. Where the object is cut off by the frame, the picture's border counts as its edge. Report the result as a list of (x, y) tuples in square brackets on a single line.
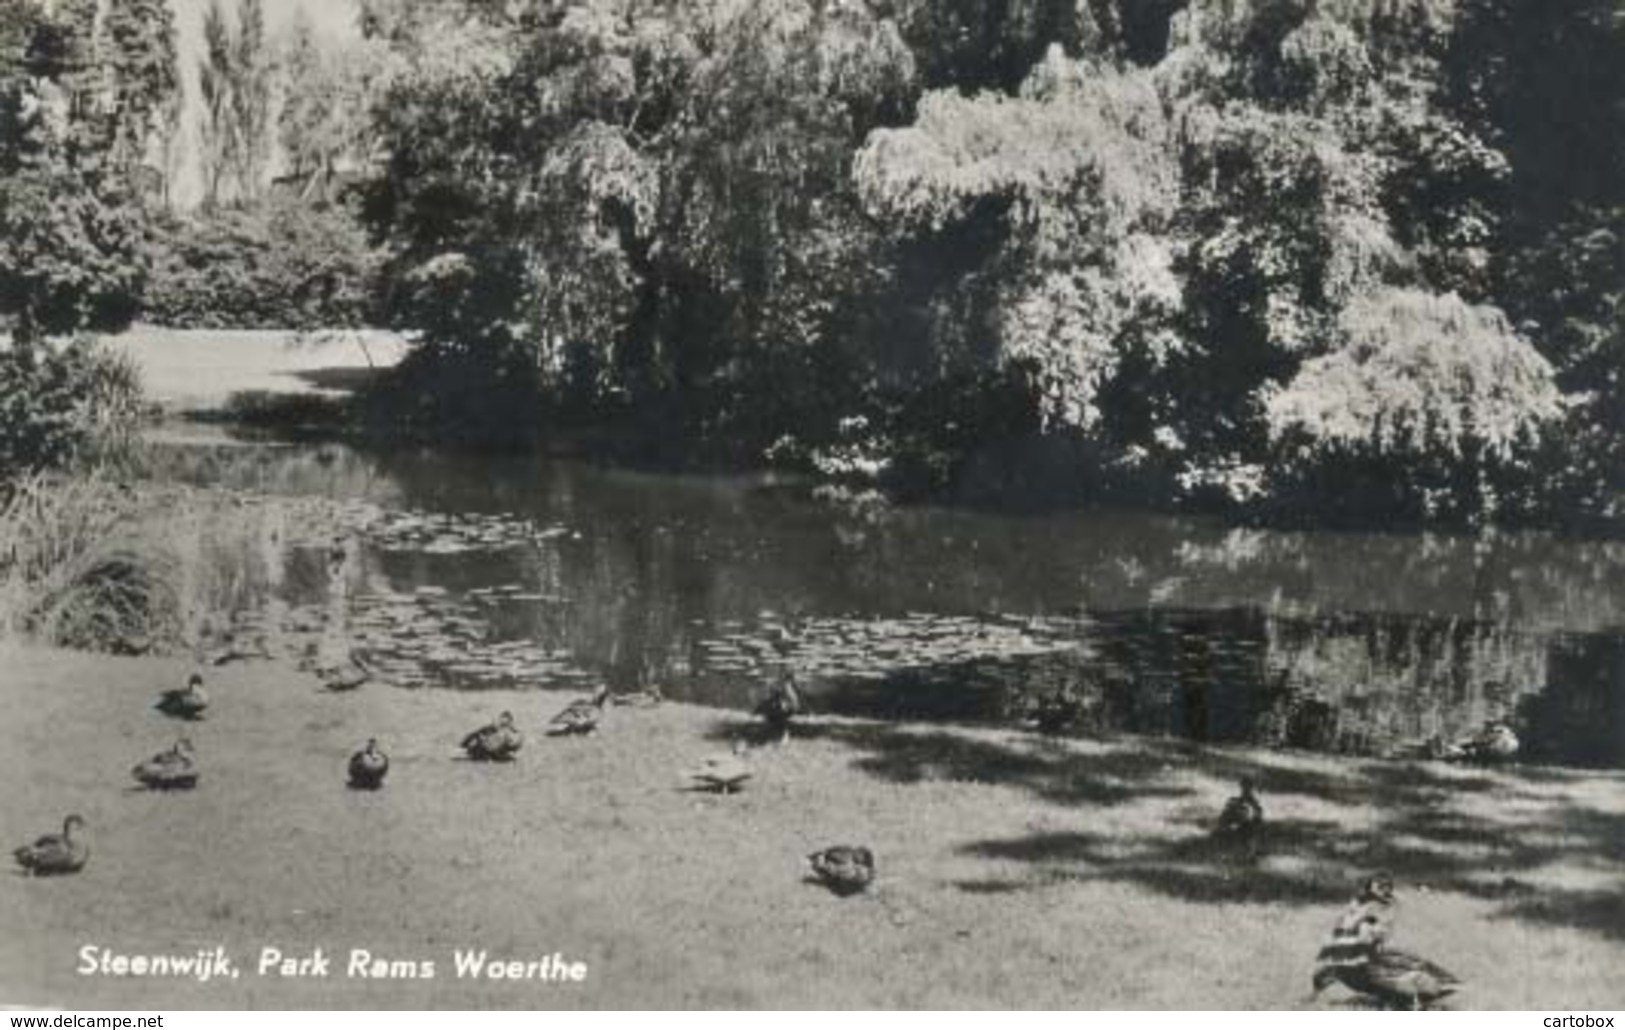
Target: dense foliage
[(69, 229), (1270, 253), (235, 84), (1300, 256), (64, 405), (279, 264), (72, 117)]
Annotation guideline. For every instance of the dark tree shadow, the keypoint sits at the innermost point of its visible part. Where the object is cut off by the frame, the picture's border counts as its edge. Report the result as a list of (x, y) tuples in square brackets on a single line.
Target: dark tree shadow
[(1507, 835), (339, 377), (1042, 765)]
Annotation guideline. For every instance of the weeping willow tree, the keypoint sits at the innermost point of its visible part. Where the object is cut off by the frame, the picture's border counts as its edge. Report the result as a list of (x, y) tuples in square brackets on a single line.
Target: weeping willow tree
[(1440, 394), (1181, 254), (638, 201), (1196, 243), (1076, 179)]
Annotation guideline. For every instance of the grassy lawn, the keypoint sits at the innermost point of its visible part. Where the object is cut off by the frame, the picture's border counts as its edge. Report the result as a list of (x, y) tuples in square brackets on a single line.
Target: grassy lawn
[(200, 369), (1014, 870)]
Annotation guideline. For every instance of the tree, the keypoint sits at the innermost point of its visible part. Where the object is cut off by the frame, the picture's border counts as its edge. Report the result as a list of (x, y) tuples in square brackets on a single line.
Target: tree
[(69, 236), (1544, 82), (324, 123), (69, 241), (1190, 240), (1446, 387), (306, 96), (216, 133), (234, 78), (250, 92), (1078, 180), (635, 202), (140, 64)]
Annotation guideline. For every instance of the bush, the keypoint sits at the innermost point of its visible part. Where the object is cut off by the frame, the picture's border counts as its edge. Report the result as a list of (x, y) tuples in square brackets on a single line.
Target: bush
[(65, 404), (64, 574), (279, 265), (89, 561)]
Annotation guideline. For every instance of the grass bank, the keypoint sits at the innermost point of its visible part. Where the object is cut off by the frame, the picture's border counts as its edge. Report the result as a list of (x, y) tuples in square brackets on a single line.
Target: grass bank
[(203, 369), (1014, 870)]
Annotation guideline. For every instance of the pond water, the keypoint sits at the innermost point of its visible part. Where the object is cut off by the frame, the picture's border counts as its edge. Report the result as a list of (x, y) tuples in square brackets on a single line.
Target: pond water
[(470, 573)]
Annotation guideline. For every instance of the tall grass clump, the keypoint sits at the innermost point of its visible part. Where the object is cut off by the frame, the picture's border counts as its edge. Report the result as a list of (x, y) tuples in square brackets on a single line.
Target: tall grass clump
[(90, 562), (71, 572), (88, 559)]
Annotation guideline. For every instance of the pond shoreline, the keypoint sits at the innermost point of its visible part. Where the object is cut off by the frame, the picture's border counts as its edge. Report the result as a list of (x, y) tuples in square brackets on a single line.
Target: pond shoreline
[(303, 387), (1015, 870)]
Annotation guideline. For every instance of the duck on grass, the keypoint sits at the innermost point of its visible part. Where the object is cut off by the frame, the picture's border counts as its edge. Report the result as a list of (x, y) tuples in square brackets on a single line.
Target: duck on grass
[(904, 855)]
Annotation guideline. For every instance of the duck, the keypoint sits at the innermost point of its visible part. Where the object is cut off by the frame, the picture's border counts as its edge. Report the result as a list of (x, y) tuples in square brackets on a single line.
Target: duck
[(185, 703), (1364, 926), (579, 717), (782, 704), (368, 766), (639, 698), (1396, 978), (1373, 907), (173, 769), (1495, 742), (723, 773), (1242, 819), (845, 869), (498, 742), (56, 854)]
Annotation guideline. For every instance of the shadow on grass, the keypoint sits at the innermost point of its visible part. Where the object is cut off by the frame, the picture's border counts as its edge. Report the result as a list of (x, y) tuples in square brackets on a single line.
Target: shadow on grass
[(1196, 868), (1045, 767), (1601, 912), (1507, 835)]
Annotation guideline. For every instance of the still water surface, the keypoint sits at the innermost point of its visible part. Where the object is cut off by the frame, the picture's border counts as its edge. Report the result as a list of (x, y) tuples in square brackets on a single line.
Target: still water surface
[(468, 573)]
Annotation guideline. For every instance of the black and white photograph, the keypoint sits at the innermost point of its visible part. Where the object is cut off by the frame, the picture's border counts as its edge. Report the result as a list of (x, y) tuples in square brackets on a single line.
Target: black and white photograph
[(812, 504)]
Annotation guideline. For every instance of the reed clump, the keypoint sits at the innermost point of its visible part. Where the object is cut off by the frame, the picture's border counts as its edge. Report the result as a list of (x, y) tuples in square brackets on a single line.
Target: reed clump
[(94, 562)]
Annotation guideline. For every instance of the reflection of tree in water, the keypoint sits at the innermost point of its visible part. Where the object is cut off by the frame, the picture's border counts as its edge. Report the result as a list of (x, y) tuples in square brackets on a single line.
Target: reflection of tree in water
[(1367, 684), (1351, 684), (1233, 636), (1580, 718)]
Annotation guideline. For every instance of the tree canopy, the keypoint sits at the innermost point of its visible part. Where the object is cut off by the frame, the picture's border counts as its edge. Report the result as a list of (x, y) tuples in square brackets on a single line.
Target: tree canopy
[(1215, 251)]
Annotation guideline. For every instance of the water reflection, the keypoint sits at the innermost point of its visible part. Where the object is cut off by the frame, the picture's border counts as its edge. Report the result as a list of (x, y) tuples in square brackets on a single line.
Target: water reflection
[(498, 572)]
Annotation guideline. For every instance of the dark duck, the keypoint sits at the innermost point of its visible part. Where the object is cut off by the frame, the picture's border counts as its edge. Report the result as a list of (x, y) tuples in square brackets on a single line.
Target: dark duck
[(498, 742), (174, 769), (368, 767), (845, 869), (579, 717), (186, 702), (56, 854)]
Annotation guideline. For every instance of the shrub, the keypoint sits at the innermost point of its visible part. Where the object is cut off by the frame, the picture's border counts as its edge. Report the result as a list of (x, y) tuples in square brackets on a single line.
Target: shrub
[(279, 265), (88, 561), (66, 573), (65, 404)]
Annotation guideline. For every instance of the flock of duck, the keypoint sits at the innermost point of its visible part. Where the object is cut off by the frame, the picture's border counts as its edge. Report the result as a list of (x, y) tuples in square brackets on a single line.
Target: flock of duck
[(844, 869), (1356, 954)]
